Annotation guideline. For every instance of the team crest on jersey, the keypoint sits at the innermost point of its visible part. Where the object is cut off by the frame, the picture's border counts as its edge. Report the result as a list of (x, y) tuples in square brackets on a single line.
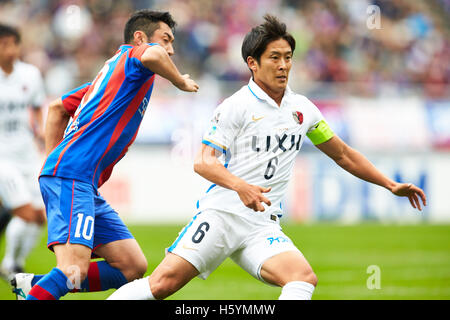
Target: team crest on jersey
[(72, 127), (298, 117)]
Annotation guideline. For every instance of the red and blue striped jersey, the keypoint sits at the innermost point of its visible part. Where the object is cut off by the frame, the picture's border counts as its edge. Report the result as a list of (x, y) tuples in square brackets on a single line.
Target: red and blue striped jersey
[(106, 115)]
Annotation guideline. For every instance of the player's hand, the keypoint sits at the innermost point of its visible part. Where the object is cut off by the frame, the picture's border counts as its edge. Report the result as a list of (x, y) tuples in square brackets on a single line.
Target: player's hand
[(187, 84), (252, 196), (412, 192)]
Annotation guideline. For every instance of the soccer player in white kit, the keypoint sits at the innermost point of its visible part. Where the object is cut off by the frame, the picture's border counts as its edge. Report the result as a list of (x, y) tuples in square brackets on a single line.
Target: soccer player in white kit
[(248, 154), (21, 88)]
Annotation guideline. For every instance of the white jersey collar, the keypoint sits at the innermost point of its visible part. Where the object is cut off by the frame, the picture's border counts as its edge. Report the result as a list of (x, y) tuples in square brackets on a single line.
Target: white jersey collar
[(260, 94)]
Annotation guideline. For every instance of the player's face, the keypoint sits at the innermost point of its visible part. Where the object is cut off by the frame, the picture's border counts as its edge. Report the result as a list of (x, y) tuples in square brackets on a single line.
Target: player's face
[(164, 37), (9, 50), (272, 72)]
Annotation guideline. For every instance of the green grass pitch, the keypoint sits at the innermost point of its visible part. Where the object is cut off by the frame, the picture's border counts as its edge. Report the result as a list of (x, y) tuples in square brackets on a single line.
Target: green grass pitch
[(414, 262)]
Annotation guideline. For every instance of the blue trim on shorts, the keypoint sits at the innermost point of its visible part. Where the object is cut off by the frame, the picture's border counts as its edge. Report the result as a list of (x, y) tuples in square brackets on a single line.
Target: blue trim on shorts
[(173, 246)]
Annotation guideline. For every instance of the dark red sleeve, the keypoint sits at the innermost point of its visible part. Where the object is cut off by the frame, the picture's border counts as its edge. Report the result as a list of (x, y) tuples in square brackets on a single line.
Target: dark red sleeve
[(72, 99)]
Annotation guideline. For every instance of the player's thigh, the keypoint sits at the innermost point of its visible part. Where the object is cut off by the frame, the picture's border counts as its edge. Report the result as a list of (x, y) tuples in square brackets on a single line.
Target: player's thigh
[(260, 246), (205, 242)]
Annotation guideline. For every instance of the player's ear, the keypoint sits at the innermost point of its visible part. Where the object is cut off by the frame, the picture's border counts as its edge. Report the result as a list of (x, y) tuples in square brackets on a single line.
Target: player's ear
[(139, 37), (251, 63)]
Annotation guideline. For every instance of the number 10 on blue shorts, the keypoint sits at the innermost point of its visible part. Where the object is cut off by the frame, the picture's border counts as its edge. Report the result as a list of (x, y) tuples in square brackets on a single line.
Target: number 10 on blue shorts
[(77, 214)]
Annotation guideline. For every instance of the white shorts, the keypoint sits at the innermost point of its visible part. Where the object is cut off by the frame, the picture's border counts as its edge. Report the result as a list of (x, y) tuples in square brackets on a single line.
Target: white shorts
[(212, 236), (18, 188)]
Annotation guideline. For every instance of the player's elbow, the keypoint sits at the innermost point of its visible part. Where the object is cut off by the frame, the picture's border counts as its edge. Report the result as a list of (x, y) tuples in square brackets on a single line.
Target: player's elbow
[(200, 164), (203, 165), (199, 167)]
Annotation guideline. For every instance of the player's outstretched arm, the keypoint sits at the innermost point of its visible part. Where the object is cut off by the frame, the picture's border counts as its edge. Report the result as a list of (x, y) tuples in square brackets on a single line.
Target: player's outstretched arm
[(57, 119), (209, 167), (156, 59), (355, 163)]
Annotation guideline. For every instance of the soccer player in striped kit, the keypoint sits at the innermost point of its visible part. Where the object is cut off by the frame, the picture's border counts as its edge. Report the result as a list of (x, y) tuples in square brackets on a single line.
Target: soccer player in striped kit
[(106, 115), (248, 154)]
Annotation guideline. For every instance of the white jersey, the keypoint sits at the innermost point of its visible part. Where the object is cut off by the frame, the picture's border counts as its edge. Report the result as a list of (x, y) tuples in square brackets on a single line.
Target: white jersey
[(19, 91), (259, 141)]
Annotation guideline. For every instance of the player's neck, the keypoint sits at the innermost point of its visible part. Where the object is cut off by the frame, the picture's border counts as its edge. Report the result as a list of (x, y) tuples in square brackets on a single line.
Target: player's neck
[(7, 67), (276, 96)]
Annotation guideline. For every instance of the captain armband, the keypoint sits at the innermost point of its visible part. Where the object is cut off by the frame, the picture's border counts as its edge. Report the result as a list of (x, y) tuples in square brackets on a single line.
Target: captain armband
[(320, 133)]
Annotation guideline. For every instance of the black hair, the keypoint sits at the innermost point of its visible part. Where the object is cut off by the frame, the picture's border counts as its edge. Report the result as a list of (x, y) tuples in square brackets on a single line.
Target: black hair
[(8, 31), (256, 41), (147, 21)]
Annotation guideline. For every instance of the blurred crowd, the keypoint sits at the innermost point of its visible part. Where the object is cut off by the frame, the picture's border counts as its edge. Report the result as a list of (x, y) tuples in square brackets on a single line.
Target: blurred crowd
[(358, 46)]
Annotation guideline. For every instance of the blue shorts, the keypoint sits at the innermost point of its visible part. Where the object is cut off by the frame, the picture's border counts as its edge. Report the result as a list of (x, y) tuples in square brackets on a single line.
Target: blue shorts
[(77, 214)]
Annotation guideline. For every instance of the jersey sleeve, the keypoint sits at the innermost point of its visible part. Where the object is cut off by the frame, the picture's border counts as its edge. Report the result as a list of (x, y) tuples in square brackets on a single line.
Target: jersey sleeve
[(136, 55), (223, 128), (72, 99), (319, 131)]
